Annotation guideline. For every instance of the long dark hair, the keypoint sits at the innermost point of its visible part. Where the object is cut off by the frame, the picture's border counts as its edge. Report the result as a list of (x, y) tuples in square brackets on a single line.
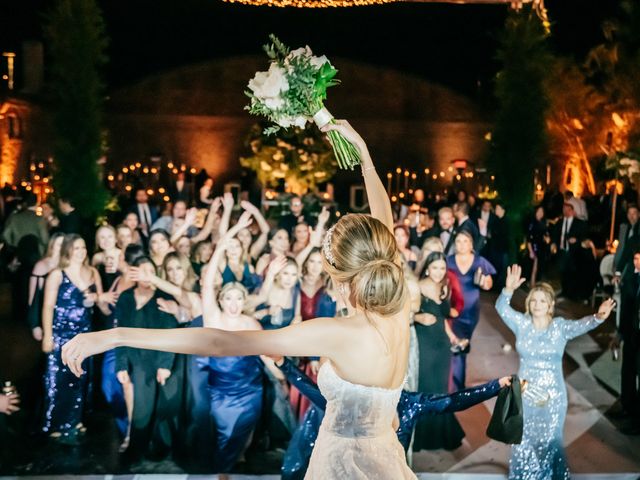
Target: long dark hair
[(436, 257)]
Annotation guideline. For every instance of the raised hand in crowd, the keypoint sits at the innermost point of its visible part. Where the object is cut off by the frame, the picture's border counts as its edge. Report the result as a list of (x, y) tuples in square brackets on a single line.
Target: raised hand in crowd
[(514, 278), (9, 403)]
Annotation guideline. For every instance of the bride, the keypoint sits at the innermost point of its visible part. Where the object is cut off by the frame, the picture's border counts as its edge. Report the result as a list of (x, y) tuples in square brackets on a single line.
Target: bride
[(364, 355)]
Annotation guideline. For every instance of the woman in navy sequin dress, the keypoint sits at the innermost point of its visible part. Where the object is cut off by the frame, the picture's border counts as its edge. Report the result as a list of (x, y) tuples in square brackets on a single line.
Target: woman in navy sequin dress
[(70, 293), (540, 341)]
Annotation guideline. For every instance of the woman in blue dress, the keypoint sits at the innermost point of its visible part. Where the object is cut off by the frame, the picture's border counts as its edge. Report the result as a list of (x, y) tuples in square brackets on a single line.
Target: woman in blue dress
[(236, 267), (540, 342), (71, 291), (473, 273), (281, 307), (235, 383)]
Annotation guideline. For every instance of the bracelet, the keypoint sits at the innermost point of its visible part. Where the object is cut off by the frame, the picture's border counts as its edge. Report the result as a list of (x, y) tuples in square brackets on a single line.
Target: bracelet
[(367, 169)]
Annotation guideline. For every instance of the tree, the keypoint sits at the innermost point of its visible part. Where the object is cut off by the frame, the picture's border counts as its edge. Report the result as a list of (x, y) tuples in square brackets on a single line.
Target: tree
[(519, 139), (77, 45)]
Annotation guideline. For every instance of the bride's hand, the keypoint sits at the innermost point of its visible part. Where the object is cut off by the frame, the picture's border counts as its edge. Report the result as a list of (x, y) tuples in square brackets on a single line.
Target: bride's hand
[(347, 132), (84, 345)]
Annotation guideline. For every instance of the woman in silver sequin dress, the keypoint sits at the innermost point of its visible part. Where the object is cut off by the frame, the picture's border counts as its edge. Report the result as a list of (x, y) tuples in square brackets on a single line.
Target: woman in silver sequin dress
[(540, 342)]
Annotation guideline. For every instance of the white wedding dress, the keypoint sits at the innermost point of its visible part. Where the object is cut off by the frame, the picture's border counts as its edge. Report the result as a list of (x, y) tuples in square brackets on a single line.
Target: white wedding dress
[(356, 438)]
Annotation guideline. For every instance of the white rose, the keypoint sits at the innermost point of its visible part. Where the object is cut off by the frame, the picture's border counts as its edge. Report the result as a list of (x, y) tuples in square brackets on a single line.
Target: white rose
[(300, 121), (284, 122), (274, 103), (298, 52), (269, 84), (319, 61)]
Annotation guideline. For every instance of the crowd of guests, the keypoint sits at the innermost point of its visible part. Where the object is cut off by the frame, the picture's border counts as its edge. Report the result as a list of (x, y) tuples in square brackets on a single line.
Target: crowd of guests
[(216, 263)]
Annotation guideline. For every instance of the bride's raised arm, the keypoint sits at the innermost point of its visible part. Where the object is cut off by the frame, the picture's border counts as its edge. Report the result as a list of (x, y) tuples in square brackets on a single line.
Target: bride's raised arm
[(376, 193)]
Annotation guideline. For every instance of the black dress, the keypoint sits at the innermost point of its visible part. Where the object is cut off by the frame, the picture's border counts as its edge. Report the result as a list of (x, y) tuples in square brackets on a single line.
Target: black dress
[(435, 431)]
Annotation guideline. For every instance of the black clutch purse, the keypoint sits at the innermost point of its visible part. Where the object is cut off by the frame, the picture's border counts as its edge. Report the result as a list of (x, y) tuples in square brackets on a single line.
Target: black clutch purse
[(506, 421)]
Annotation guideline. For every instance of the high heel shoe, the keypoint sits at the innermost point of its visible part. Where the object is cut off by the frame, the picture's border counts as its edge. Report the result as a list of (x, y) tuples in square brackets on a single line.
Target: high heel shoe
[(73, 438), (124, 445)]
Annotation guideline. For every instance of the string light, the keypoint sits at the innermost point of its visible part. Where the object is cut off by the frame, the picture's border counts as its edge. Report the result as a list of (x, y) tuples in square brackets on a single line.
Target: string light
[(311, 3), (362, 3)]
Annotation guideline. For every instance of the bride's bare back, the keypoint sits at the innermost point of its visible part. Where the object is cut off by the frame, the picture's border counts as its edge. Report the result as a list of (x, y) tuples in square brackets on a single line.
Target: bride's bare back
[(377, 352)]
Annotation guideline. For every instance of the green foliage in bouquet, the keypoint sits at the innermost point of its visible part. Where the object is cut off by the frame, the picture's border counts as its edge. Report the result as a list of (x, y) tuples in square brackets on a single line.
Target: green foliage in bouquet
[(300, 157), (292, 92), (77, 40)]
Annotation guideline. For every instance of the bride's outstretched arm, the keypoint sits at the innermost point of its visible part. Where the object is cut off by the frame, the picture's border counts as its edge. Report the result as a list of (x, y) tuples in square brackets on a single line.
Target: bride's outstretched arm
[(321, 337), (376, 193)]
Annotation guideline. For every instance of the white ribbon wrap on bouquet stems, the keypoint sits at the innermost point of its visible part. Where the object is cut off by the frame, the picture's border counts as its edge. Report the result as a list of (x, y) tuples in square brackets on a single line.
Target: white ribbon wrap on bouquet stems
[(322, 117)]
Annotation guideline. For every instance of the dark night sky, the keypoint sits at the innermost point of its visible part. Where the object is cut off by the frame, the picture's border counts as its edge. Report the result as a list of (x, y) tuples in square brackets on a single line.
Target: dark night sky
[(450, 44)]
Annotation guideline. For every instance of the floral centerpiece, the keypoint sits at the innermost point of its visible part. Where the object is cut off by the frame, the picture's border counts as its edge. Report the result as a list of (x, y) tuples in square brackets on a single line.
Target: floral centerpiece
[(292, 92)]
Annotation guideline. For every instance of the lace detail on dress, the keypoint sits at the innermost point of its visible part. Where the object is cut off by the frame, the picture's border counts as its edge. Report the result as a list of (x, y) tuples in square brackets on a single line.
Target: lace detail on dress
[(356, 438)]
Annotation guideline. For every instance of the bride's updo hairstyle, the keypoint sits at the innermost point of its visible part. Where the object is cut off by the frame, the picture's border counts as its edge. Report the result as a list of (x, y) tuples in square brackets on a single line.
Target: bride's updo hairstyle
[(360, 251)]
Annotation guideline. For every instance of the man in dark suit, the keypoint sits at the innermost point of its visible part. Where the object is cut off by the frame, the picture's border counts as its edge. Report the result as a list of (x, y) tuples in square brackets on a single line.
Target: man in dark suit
[(296, 216), (629, 332), (486, 222), (181, 190), (628, 239), (147, 214), (70, 221), (422, 225), (465, 223), (566, 237), (446, 229)]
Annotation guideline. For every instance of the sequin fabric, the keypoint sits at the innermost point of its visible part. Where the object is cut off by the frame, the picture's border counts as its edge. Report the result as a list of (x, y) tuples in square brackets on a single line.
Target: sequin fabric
[(414, 404), (541, 456), (64, 391), (356, 439)]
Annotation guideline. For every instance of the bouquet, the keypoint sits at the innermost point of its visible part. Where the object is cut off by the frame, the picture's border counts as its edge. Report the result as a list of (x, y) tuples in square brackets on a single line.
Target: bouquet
[(292, 91)]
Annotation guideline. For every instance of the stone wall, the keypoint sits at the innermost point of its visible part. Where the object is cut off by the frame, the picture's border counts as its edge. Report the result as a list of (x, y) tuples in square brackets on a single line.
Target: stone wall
[(195, 115)]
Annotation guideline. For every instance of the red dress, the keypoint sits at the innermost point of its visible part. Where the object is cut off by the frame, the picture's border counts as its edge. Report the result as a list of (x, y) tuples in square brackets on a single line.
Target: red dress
[(308, 310)]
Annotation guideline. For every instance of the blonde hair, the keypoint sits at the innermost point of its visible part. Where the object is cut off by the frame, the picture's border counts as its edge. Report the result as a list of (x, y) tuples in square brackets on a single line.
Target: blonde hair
[(364, 254), (432, 244), (290, 262), (106, 226), (547, 291), (190, 276), (233, 286)]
